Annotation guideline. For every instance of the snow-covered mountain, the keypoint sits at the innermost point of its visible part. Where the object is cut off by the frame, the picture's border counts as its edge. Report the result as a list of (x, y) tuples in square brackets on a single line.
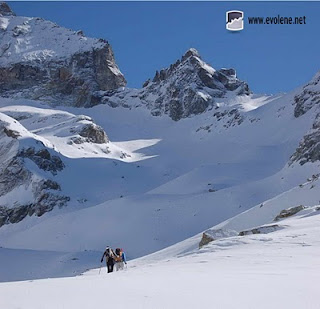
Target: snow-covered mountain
[(192, 151), (188, 87), (43, 61)]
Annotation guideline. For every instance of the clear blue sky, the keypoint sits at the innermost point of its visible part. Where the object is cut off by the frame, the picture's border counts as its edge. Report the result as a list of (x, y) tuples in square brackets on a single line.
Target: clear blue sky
[(147, 36)]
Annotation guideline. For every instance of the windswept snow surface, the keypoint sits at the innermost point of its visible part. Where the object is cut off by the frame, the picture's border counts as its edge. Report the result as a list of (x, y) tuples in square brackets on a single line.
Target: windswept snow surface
[(276, 270)]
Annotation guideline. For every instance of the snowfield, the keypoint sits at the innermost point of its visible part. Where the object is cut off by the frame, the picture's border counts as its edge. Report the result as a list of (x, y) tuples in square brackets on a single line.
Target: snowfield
[(177, 181), (256, 271)]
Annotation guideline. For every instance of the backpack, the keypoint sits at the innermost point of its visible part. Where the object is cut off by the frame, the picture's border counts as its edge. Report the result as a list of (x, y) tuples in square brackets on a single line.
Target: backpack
[(109, 255), (118, 256)]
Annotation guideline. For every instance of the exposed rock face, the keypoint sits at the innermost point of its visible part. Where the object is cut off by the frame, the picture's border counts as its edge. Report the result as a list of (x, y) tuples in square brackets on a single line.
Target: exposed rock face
[(309, 147), (261, 230), (45, 200), (43, 159), (94, 134), (211, 235), (44, 194), (65, 71), (206, 238), (308, 98), (5, 10), (188, 87), (13, 175), (234, 116), (288, 212)]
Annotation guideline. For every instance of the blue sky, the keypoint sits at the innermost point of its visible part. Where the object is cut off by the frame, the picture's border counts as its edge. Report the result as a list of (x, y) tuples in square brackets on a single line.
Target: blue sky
[(147, 36)]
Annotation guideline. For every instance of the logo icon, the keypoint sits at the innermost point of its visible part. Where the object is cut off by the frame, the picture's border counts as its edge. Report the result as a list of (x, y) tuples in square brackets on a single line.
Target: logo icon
[(234, 20)]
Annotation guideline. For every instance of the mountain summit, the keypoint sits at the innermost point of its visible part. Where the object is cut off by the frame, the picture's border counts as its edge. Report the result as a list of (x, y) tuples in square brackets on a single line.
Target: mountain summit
[(205, 76), (43, 61), (187, 87), (5, 10)]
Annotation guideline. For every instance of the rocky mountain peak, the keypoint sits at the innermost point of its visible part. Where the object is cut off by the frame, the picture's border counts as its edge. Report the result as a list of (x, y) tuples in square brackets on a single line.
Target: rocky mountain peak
[(189, 86), (192, 52), (203, 74), (5, 10), (40, 60), (189, 62)]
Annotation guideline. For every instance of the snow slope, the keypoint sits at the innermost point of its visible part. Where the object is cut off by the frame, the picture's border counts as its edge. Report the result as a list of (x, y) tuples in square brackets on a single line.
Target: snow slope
[(272, 270), (44, 264), (25, 39), (100, 161), (62, 129), (194, 180), (263, 214)]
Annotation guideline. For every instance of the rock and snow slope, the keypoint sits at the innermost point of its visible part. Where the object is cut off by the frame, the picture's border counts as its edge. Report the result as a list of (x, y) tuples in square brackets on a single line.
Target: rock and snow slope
[(24, 191), (42, 153)]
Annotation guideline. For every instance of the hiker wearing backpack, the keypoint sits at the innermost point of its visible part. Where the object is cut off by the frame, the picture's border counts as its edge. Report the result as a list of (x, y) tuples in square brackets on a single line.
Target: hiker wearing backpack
[(110, 259), (120, 259)]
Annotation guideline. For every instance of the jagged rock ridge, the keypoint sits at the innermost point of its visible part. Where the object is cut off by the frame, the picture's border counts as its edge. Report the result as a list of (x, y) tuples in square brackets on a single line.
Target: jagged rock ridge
[(188, 87)]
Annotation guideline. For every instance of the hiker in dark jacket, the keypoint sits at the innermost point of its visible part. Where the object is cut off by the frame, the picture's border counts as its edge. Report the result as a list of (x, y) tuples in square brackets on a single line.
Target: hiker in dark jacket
[(110, 255)]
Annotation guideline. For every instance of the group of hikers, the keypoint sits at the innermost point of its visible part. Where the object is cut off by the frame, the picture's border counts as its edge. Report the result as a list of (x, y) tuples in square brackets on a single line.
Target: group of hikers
[(115, 258)]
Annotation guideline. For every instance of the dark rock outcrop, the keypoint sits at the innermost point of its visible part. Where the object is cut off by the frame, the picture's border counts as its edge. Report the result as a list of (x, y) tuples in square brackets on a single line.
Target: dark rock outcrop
[(45, 201), (206, 238), (212, 235), (309, 148), (288, 212), (69, 82), (94, 134), (43, 159), (308, 98), (261, 230), (5, 10), (14, 175)]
